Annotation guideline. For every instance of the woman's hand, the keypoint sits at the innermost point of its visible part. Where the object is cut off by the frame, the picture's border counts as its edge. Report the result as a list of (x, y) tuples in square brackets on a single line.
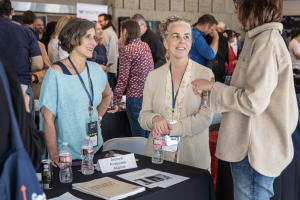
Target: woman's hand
[(202, 85), (161, 127), (234, 62), (103, 67), (116, 109)]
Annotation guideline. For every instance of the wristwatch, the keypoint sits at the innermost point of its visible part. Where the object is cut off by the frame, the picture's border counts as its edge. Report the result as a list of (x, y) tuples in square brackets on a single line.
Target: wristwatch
[(99, 118)]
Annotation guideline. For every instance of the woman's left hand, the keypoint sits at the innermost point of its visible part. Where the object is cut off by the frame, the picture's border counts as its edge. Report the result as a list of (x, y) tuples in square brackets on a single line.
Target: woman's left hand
[(116, 109), (202, 85)]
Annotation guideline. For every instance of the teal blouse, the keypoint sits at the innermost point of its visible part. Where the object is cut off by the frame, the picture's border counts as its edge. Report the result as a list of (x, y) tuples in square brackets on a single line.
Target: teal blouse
[(66, 98)]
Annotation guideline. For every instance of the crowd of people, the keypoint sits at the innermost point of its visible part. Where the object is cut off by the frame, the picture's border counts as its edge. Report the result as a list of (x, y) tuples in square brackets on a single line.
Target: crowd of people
[(73, 65)]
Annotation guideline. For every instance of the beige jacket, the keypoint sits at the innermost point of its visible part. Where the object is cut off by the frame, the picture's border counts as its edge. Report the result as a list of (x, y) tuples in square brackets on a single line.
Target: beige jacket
[(194, 120), (259, 108), (36, 87), (110, 41)]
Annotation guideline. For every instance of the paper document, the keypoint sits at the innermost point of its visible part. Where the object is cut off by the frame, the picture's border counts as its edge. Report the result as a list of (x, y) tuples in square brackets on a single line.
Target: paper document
[(108, 188), (153, 178), (66, 196)]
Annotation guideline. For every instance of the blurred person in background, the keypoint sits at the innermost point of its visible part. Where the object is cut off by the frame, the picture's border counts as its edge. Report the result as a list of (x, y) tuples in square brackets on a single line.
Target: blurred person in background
[(110, 41), (200, 50), (49, 30), (153, 40), (74, 93), (294, 48), (100, 50), (55, 52), (135, 64), (233, 59), (28, 19), (39, 27), (19, 47)]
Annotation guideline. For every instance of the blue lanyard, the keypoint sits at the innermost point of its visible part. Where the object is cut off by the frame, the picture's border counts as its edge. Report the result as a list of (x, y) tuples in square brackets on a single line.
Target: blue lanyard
[(90, 82), (175, 97), (100, 55)]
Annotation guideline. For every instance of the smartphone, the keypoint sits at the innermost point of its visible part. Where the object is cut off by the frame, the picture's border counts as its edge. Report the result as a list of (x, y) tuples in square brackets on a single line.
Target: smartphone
[(110, 64)]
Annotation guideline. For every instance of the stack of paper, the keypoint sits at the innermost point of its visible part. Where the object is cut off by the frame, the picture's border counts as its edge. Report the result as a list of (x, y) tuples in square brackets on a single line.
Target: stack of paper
[(153, 178), (108, 188)]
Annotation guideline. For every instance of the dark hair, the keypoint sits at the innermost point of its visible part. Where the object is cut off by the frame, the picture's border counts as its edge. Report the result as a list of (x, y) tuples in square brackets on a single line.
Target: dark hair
[(229, 33), (259, 12), (206, 19), (71, 34), (237, 35), (109, 18), (49, 30), (28, 17), (132, 30), (5, 8), (138, 17)]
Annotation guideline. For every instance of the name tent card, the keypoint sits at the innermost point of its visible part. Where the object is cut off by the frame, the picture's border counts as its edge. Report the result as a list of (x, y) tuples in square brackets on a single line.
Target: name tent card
[(117, 163)]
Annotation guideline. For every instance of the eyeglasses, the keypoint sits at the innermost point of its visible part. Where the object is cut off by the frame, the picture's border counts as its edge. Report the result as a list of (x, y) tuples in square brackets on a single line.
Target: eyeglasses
[(235, 2)]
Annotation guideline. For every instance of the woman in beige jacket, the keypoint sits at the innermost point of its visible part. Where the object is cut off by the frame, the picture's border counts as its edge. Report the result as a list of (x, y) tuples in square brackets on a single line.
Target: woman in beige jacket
[(192, 119), (259, 107)]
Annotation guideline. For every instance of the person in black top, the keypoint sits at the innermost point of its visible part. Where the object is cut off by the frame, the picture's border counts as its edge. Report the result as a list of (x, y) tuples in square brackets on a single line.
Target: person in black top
[(28, 19), (153, 40), (33, 140), (50, 28), (218, 63)]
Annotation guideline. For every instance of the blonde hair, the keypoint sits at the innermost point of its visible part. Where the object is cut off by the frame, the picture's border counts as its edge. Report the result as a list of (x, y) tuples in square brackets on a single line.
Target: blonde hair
[(60, 24)]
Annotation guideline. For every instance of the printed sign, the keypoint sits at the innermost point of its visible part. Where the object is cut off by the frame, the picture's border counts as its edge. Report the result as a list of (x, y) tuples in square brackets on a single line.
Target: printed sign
[(116, 163), (90, 11)]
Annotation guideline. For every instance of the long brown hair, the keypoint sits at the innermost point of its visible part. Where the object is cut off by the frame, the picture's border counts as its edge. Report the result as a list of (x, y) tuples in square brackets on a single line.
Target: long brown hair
[(133, 30), (259, 12)]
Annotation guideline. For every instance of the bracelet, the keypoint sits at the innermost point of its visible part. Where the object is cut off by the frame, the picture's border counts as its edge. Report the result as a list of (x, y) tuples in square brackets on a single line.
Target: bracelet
[(99, 118)]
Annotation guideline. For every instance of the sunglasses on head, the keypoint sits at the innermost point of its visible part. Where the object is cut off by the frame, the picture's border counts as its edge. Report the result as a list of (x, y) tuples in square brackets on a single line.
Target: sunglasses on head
[(235, 2)]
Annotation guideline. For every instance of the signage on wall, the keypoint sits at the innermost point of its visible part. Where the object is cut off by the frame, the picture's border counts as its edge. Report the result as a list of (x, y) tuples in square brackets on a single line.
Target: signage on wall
[(90, 11)]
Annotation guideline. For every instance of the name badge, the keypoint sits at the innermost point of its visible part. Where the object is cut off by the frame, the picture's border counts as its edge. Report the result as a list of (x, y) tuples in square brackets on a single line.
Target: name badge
[(93, 133), (116, 163)]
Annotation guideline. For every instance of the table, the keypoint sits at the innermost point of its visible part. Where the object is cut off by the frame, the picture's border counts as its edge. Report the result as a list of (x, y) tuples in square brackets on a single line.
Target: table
[(199, 186)]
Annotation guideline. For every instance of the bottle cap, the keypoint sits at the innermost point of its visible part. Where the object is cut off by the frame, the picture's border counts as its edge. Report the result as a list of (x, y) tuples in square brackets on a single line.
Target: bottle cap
[(87, 137), (64, 143)]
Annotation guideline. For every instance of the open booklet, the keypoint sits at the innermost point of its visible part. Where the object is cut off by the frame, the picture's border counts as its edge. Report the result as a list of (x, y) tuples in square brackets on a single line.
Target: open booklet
[(108, 188)]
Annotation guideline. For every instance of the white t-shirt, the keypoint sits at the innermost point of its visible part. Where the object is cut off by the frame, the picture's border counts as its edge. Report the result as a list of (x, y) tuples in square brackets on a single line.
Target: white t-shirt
[(294, 48), (55, 52)]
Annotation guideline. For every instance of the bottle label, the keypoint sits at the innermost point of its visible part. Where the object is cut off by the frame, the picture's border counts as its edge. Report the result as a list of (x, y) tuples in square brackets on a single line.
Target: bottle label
[(65, 159), (87, 152), (159, 142)]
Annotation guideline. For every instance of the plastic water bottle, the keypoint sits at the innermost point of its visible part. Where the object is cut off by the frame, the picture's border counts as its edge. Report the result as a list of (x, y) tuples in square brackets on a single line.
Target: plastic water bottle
[(65, 164), (87, 155), (158, 153)]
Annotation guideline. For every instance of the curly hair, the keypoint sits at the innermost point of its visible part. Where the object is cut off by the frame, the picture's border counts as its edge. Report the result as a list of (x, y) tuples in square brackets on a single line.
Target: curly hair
[(165, 27), (71, 34), (259, 12)]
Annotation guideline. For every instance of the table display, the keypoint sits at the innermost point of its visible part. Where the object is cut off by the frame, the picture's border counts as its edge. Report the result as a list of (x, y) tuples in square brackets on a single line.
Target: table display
[(198, 186)]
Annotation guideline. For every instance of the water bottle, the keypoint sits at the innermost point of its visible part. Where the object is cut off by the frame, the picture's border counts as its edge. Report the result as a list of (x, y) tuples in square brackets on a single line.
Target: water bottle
[(87, 155), (65, 164), (158, 153)]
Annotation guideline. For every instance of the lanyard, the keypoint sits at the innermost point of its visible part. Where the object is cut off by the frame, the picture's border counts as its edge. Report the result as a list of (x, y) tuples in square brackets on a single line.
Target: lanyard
[(97, 50), (91, 98), (175, 97)]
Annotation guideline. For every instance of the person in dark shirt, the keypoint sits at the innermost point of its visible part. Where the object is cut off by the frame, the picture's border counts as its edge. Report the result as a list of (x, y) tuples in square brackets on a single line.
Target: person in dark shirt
[(153, 40), (28, 19), (33, 140), (20, 48), (50, 28)]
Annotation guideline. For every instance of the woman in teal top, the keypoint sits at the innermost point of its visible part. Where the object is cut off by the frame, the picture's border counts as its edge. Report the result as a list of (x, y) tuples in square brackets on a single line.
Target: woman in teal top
[(75, 93)]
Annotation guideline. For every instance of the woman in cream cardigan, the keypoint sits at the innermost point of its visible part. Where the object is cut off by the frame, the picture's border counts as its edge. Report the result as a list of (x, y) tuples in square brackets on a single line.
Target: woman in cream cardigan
[(157, 110)]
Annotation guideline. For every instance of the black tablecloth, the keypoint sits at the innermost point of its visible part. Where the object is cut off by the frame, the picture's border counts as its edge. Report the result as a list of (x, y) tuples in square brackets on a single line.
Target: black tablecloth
[(115, 125), (286, 186), (199, 186)]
